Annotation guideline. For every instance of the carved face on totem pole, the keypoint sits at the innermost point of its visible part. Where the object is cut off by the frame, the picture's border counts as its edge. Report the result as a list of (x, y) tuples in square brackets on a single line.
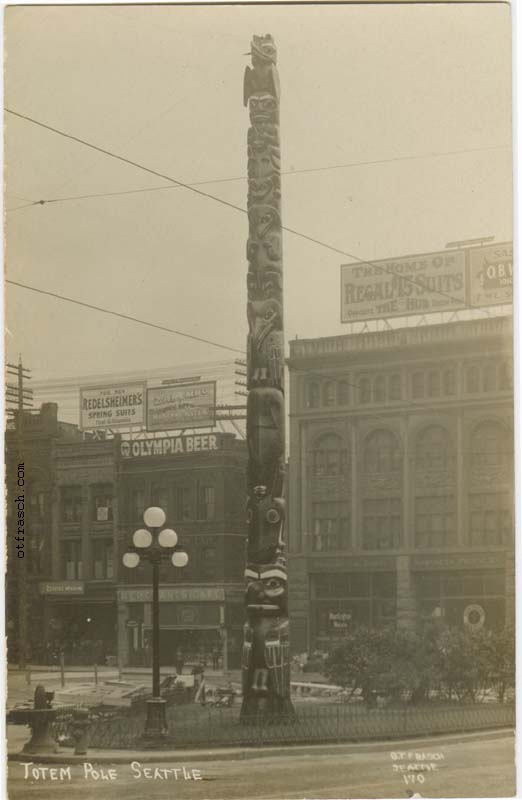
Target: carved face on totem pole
[(267, 589), (263, 109), (265, 520)]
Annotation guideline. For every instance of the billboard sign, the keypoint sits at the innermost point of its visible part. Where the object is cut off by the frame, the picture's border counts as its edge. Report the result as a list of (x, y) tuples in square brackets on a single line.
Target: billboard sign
[(120, 406), (491, 274), (418, 284), (186, 406)]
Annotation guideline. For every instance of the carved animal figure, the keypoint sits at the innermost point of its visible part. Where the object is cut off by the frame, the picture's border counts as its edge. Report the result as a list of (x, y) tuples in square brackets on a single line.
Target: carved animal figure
[(263, 77)]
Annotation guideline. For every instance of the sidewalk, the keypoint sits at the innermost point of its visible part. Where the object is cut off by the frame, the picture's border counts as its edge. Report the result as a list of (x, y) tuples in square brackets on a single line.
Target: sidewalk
[(238, 753)]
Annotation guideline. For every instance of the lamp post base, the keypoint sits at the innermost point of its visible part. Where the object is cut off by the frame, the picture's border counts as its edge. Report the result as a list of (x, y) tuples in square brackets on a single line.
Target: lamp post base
[(156, 728)]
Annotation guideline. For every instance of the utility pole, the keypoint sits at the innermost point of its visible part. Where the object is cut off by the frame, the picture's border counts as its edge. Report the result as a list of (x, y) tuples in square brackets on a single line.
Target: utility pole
[(266, 651), (21, 398)]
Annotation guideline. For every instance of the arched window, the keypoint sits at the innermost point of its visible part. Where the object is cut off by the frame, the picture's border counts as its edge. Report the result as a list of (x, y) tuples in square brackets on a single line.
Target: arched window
[(434, 383), (382, 452), (473, 379), (343, 393), (395, 387), (365, 394), (489, 378), (312, 395), (329, 393), (379, 389), (329, 457), (491, 445), (433, 449), (417, 385), (505, 376), (449, 382)]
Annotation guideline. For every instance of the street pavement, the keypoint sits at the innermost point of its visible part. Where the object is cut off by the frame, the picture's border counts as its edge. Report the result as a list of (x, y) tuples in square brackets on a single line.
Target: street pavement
[(478, 765)]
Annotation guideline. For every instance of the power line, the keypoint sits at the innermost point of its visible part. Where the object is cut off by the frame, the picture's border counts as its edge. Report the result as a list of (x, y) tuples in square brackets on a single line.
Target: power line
[(124, 316), (244, 178), (233, 206)]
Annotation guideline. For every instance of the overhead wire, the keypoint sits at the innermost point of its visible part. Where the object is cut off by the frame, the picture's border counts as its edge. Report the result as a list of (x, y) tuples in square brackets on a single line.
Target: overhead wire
[(235, 207)]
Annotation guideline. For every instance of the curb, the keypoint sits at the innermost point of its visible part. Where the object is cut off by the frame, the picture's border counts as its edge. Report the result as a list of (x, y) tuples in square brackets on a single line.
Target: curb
[(244, 753)]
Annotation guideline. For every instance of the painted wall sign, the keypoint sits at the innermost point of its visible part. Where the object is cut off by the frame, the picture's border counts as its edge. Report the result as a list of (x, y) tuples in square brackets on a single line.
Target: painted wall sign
[(447, 280), (171, 446), (119, 406), (172, 595), (185, 406), (62, 587), (491, 274)]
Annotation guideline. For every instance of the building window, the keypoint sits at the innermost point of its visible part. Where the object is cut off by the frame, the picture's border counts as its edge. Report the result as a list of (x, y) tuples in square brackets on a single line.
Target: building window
[(490, 518), (329, 457), (207, 502), (505, 382), (208, 562), (395, 387), (343, 393), (71, 497), (417, 385), (491, 445), (329, 393), (102, 559), (342, 600), (365, 390), (382, 452), (382, 523), (449, 382), (434, 383), (72, 560), (435, 522), (159, 496), (137, 504), (182, 503), (312, 395), (331, 526), (473, 379), (102, 503), (433, 449), (379, 389), (489, 378)]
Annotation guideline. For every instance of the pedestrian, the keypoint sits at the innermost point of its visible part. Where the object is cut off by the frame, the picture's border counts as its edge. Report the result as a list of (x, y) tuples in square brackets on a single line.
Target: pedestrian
[(179, 661), (215, 658)]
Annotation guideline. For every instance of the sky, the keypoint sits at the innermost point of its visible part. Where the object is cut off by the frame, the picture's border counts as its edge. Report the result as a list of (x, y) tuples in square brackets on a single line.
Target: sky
[(421, 91)]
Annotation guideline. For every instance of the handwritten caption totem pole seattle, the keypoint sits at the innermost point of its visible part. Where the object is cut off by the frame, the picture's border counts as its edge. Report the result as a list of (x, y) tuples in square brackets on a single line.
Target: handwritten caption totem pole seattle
[(266, 658)]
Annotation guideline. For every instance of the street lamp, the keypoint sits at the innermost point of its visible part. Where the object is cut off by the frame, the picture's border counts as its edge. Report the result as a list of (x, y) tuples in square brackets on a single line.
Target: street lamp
[(159, 545)]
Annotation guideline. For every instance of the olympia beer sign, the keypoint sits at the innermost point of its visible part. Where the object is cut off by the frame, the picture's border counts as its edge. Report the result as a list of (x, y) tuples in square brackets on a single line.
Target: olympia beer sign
[(422, 284)]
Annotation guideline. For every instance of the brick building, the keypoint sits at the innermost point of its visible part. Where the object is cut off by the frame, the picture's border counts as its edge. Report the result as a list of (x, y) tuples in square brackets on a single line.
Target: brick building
[(401, 479)]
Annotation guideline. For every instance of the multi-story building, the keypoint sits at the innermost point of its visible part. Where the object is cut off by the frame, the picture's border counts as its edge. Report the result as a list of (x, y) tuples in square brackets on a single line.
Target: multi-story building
[(401, 479)]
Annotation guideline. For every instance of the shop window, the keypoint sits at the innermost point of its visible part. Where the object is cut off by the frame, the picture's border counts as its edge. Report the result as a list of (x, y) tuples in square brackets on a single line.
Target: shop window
[(38, 503), (102, 559), (182, 503), (207, 502), (329, 393), (491, 445), (72, 560), (137, 504), (473, 379), (382, 452), (329, 457), (417, 385), (102, 503), (343, 393), (490, 518), (159, 496), (489, 378), (395, 387), (312, 395), (382, 523), (449, 382), (71, 503), (433, 449), (435, 521), (379, 389), (365, 390), (434, 383), (331, 526)]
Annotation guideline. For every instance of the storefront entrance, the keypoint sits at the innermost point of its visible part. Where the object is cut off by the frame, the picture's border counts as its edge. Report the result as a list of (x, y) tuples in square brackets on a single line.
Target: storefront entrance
[(187, 646)]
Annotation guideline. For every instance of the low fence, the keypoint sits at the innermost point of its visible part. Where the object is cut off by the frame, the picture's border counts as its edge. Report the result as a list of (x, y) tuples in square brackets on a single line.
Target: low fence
[(220, 727)]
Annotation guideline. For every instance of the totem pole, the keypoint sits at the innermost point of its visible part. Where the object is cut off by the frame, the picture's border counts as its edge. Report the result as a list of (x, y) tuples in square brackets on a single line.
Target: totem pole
[(265, 657)]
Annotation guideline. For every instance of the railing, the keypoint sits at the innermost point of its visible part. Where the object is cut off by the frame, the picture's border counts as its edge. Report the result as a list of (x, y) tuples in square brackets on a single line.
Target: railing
[(192, 726)]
